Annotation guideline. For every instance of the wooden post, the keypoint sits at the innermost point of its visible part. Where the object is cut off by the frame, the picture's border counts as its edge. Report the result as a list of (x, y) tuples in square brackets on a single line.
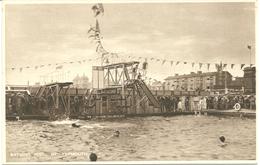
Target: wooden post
[(68, 101), (108, 74), (123, 88), (116, 76), (57, 96)]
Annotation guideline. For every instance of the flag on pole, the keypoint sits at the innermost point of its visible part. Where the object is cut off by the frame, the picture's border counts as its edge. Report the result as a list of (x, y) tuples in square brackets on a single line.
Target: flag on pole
[(21, 69), (13, 68), (98, 9), (208, 65), (177, 62), (192, 64), (232, 65), (184, 62), (171, 63), (224, 66), (242, 65)]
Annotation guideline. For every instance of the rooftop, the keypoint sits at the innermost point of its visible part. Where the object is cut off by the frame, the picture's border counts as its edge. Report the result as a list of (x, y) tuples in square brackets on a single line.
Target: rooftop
[(193, 74)]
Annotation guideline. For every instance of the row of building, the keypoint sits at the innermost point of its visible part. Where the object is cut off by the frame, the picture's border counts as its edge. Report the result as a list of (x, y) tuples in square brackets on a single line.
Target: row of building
[(209, 81)]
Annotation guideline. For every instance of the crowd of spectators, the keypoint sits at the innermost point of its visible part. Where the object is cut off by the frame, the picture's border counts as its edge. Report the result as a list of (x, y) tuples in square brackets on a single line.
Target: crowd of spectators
[(193, 103)]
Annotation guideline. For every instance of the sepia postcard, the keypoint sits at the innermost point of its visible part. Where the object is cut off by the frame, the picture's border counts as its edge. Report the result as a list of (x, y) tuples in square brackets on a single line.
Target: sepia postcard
[(129, 82)]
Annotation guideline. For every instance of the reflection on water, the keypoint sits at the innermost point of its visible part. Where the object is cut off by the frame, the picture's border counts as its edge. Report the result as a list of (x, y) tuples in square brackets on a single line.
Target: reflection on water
[(150, 138)]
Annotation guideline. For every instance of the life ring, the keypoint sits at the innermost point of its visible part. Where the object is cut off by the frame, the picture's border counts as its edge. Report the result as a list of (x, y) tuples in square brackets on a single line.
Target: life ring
[(237, 106)]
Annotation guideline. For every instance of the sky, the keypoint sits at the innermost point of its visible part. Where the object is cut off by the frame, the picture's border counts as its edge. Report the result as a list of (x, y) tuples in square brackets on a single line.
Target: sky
[(42, 34)]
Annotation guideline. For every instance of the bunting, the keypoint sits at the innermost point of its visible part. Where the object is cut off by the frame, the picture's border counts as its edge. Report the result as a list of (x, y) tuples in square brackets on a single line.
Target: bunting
[(115, 55)]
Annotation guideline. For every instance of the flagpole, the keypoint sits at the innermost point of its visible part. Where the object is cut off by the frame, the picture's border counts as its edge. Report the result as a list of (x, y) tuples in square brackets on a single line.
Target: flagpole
[(250, 51)]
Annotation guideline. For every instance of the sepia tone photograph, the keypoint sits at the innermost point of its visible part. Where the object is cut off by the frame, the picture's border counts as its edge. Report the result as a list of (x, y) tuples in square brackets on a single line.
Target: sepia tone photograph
[(130, 81)]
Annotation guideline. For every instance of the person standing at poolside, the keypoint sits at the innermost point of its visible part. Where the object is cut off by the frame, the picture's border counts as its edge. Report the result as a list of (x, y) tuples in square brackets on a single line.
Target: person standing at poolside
[(179, 105), (200, 103), (204, 103)]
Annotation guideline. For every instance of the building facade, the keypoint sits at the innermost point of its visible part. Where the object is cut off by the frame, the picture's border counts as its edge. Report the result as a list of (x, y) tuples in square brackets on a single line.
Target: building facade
[(249, 80), (199, 81)]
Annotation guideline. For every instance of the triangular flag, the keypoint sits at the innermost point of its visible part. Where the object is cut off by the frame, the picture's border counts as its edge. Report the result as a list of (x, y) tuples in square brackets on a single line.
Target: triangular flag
[(208, 65), (184, 62), (163, 62), (171, 63), (251, 65), (177, 62), (200, 65), (225, 65), (59, 67), (232, 65), (242, 65)]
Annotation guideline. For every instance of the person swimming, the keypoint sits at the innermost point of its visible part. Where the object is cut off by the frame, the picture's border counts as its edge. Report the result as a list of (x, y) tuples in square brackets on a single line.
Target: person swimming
[(222, 141), (75, 125), (116, 134), (93, 157)]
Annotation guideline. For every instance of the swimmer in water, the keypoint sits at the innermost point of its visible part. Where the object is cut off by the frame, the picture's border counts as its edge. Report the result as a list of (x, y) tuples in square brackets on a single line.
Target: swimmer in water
[(116, 134), (222, 141), (93, 157), (75, 125)]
